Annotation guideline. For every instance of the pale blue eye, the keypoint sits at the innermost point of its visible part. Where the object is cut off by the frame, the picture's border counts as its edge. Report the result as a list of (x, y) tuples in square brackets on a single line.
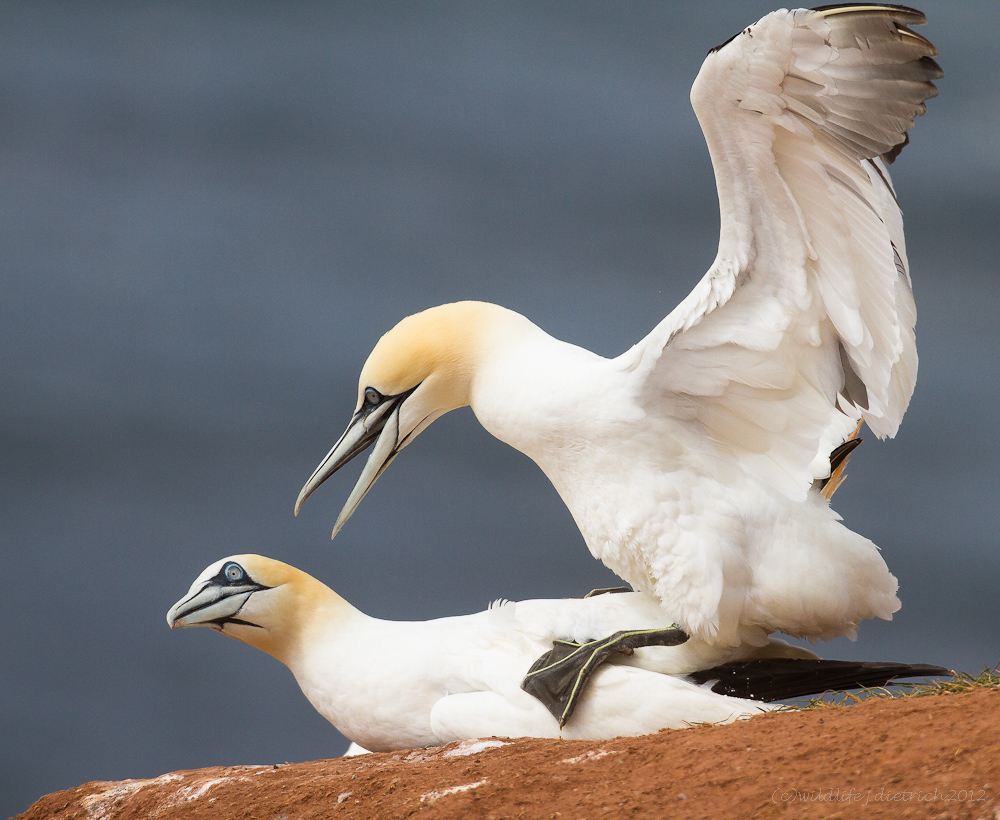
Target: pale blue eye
[(372, 396), (233, 572)]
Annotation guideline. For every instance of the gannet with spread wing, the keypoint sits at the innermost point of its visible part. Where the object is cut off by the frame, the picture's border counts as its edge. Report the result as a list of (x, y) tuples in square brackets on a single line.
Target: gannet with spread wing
[(693, 463), (403, 684)]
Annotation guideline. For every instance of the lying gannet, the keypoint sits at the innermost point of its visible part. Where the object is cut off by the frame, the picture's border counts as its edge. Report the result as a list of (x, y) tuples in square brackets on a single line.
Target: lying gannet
[(694, 462), (403, 684)]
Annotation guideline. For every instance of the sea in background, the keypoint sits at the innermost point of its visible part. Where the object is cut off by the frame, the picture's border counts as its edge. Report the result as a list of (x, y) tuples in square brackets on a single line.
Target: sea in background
[(211, 212)]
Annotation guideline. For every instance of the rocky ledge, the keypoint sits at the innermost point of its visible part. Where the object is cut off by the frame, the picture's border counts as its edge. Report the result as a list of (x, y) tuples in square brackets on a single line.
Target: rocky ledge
[(935, 757)]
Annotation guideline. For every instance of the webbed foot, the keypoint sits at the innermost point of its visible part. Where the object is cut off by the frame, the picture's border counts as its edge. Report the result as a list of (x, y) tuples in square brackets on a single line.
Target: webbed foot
[(557, 679)]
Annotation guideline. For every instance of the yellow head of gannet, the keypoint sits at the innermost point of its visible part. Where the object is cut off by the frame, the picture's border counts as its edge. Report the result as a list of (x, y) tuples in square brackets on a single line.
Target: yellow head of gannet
[(418, 371), (260, 601)]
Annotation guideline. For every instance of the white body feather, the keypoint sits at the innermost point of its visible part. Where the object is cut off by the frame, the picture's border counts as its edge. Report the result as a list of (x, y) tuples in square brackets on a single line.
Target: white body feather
[(731, 557), (393, 685), (689, 461)]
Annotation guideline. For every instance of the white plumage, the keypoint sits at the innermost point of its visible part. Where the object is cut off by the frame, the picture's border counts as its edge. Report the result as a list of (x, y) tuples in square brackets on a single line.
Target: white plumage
[(692, 463), (404, 684)]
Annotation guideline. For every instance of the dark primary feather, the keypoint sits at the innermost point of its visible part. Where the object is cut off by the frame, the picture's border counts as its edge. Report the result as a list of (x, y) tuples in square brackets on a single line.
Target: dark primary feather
[(904, 64), (838, 465), (902, 13), (773, 679), (840, 454)]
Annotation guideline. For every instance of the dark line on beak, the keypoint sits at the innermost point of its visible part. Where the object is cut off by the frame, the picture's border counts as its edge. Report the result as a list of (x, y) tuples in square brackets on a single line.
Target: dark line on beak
[(224, 621)]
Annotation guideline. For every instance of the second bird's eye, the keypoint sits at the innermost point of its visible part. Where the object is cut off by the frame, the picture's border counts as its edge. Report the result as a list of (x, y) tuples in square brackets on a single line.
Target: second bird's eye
[(372, 396), (234, 572)]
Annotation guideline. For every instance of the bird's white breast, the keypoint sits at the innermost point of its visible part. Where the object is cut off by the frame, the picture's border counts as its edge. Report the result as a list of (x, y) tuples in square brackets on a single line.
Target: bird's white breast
[(670, 510)]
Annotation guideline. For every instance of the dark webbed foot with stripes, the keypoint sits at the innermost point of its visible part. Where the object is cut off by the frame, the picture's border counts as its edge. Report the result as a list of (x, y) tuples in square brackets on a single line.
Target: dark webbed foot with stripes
[(558, 678)]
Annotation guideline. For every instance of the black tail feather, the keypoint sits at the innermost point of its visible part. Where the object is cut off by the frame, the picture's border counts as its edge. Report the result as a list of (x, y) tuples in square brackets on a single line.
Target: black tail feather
[(773, 679)]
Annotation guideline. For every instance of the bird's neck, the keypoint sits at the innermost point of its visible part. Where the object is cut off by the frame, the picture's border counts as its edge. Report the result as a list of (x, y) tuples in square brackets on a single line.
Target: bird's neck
[(543, 396), (304, 615)]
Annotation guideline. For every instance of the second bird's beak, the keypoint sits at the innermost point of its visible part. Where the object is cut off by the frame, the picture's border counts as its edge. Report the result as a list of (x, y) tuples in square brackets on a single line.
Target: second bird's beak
[(378, 425)]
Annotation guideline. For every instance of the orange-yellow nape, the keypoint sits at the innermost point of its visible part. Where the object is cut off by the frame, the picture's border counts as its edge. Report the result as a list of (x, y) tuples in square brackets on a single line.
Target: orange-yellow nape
[(441, 344)]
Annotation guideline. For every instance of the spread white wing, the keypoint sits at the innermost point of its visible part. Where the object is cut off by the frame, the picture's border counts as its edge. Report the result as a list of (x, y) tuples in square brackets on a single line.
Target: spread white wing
[(804, 322)]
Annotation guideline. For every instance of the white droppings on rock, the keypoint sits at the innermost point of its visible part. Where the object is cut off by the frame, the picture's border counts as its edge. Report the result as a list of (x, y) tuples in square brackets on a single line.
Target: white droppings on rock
[(102, 804), (188, 793), (473, 746), (591, 755), (106, 804), (430, 797), (343, 796), (462, 748)]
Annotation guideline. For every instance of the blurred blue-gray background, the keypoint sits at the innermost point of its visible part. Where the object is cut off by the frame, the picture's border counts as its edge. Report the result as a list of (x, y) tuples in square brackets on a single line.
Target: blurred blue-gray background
[(211, 212)]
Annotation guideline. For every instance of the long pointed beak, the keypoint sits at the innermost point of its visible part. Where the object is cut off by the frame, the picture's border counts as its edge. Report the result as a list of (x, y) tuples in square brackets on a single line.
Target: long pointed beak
[(211, 606), (380, 427)]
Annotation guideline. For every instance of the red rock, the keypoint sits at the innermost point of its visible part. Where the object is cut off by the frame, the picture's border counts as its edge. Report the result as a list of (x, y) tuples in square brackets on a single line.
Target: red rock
[(933, 757)]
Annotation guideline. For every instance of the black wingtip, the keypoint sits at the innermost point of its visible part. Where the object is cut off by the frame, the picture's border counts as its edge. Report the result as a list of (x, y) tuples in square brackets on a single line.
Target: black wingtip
[(723, 45), (889, 156)]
